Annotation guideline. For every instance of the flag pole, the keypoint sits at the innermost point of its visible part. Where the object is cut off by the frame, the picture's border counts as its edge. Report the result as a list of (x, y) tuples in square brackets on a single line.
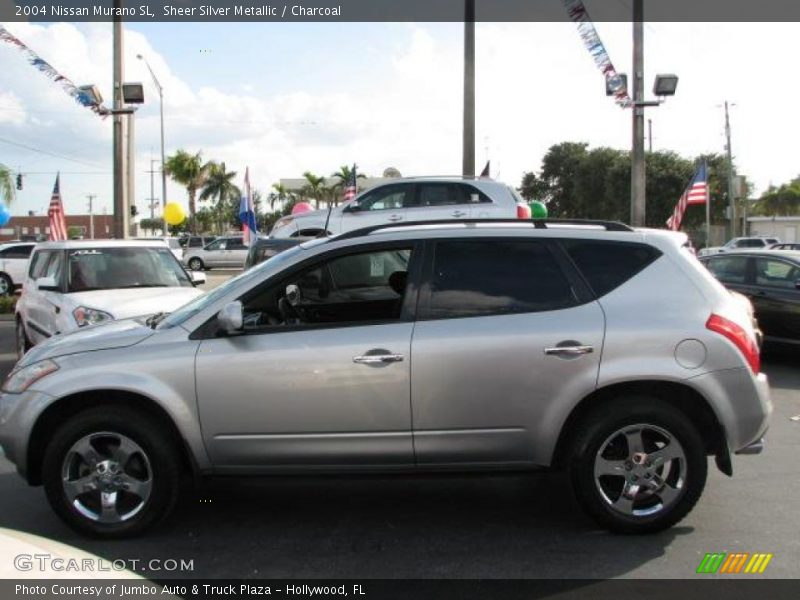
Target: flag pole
[(708, 206)]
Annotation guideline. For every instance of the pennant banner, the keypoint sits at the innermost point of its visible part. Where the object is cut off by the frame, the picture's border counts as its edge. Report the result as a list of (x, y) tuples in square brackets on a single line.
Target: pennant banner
[(70, 88), (577, 12)]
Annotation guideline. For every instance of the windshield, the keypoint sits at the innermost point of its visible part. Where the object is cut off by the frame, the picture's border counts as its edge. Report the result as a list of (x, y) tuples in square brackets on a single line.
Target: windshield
[(131, 267), (187, 311)]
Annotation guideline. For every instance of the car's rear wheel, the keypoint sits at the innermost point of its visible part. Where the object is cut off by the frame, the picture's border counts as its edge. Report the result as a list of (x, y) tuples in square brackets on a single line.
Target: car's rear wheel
[(195, 264), (6, 285), (23, 343), (638, 465), (111, 472)]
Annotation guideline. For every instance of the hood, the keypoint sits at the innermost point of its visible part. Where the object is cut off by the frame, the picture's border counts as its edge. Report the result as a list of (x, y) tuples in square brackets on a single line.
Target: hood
[(136, 302), (116, 334)]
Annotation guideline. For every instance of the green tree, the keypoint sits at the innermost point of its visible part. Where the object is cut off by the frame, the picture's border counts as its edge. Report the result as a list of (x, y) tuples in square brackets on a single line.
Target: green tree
[(152, 225), (219, 184), (783, 201), (190, 171), (7, 192), (342, 177), (315, 188), (281, 194)]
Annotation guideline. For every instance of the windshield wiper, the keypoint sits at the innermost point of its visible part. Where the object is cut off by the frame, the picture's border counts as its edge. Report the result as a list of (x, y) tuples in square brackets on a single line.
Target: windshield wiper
[(153, 320), (141, 285)]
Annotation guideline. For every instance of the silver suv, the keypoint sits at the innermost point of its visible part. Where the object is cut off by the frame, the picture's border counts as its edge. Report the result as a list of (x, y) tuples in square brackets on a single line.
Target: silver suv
[(411, 199), (609, 352)]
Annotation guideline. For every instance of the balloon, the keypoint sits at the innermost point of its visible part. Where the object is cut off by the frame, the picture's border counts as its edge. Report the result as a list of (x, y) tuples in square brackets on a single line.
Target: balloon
[(301, 207), (5, 216), (173, 213), (538, 210)]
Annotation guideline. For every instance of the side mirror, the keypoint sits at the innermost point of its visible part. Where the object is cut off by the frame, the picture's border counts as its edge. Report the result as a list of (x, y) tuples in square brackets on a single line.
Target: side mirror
[(797, 284), (352, 207), (230, 319), (47, 284), (198, 277)]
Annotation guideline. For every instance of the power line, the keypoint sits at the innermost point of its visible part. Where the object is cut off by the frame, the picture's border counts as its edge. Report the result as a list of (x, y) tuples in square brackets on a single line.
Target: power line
[(40, 151)]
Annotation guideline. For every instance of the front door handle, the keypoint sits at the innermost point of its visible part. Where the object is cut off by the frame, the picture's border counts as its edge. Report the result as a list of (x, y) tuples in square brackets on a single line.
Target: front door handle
[(458, 214), (395, 217), (377, 359), (569, 350)]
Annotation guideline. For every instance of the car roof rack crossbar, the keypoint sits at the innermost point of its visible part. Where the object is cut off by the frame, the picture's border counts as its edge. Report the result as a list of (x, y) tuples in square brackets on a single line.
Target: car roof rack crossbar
[(536, 223)]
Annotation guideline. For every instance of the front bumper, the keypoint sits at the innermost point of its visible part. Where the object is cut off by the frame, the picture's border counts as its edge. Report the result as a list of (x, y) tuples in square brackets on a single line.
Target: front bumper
[(18, 413), (756, 447)]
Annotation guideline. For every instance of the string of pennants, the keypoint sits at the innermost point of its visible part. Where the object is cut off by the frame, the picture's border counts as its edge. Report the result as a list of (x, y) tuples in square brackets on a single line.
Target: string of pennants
[(42, 65), (579, 15)]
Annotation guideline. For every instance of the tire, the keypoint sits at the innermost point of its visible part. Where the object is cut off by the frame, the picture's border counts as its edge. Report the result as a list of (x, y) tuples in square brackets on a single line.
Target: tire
[(6, 285), (663, 477), (23, 343), (195, 264), (148, 465)]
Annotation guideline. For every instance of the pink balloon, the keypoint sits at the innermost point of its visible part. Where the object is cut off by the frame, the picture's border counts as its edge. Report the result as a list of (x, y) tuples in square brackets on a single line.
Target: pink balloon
[(302, 207)]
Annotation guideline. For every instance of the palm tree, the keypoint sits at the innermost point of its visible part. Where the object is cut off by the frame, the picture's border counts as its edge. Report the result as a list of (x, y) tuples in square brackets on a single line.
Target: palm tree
[(218, 183), (6, 185), (281, 193), (343, 176), (315, 187), (190, 171)]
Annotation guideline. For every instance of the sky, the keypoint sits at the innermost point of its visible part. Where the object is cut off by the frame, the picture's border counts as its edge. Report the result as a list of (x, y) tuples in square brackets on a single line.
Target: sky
[(285, 98)]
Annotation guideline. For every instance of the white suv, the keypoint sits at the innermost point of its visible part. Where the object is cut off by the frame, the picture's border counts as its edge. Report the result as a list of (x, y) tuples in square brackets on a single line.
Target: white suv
[(412, 199), (740, 243), (76, 284), (13, 263)]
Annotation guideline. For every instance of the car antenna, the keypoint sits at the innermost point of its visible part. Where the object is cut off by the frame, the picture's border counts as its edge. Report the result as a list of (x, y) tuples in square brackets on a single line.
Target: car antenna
[(327, 219)]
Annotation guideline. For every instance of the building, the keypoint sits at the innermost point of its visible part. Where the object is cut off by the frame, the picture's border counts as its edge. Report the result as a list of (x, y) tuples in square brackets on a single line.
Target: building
[(37, 228), (786, 229)]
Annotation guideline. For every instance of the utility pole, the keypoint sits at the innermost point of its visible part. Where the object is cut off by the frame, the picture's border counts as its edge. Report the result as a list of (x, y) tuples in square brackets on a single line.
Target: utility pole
[(731, 199), (650, 135), (91, 198), (120, 215), (468, 168), (130, 163), (152, 190), (638, 202)]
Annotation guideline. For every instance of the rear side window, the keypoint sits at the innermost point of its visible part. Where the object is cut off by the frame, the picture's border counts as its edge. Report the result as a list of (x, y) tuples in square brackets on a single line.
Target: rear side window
[(607, 265), (16, 252), (487, 277), (728, 269)]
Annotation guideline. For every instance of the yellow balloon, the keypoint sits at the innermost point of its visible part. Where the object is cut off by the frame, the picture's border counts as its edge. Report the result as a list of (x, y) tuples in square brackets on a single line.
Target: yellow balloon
[(173, 213)]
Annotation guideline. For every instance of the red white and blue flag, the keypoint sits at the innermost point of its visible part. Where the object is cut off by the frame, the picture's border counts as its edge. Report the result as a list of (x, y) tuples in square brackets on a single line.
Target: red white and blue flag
[(247, 213), (350, 187), (58, 224), (695, 193)]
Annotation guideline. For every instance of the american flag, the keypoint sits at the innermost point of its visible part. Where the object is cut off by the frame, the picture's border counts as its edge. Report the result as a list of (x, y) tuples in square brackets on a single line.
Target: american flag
[(695, 193), (58, 226), (351, 187), (486, 169)]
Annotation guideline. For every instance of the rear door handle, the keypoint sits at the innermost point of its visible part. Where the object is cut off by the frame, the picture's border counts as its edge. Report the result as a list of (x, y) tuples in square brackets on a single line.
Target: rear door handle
[(458, 213), (395, 217), (377, 359), (569, 350)]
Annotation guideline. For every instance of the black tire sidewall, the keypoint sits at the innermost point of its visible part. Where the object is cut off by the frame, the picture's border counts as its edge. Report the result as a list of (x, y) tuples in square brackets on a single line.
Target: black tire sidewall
[(595, 429), (155, 440), (9, 285), (198, 263)]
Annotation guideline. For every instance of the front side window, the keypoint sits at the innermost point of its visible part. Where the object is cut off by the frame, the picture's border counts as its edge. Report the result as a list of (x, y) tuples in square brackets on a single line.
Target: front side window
[(115, 268), (481, 278), (776, 273), (218, 245), (355, 288), (729, 269), (385, 198), (235, 244), (39, 263)]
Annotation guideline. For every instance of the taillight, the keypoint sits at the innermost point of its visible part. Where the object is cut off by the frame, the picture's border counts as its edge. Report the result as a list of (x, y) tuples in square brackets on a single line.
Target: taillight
[(737, 334), (523, 211)]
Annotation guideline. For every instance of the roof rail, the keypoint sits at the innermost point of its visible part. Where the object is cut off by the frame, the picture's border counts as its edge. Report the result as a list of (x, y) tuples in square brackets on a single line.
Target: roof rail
[(536, 223)]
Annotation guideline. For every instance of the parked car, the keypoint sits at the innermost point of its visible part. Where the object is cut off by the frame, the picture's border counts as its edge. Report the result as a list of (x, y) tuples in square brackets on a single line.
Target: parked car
[(13, 263), (602, 350), (76, 284), (172, 243), (195, 241), (265, 249), (785, 246), (771, 280), (225, 252), (411, 199), (739, 243)]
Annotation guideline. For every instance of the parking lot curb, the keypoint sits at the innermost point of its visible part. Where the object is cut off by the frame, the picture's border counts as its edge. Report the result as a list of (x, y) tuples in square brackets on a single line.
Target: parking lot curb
[(6, 317)]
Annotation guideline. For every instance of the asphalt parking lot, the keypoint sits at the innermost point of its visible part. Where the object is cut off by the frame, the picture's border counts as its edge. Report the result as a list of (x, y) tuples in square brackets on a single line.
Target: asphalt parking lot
[(511, 526)]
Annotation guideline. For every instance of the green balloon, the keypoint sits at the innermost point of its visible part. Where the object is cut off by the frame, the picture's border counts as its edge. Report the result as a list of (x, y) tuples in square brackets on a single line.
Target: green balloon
[(538, 210)]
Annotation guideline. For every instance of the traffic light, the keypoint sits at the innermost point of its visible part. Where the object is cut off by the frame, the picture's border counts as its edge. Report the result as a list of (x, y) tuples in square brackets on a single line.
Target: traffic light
[(19, 181), (134, 210)]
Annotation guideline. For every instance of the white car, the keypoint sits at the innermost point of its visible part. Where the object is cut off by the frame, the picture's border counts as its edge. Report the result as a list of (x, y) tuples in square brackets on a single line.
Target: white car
[(173, 243), (13, 264), (76, 284), (410, 199), (740, 243)]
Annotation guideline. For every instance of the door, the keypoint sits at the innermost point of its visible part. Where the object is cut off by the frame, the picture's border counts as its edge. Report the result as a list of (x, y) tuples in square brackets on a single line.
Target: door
[(731, 270), (776, 297), (382, 206), (44, 306), (502, 341), (235, 253), (319, 376), (214, 254)]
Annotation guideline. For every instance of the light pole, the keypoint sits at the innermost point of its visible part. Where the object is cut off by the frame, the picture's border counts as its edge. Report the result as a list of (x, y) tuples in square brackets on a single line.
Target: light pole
[(161, 108), (120, 204), (729, 157), (468, 158), (638, 183)]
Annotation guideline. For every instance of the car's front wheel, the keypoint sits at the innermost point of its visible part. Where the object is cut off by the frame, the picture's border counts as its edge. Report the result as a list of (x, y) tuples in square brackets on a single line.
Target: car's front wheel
[(638, 465), (6, 285), (195, 264), (111, 472)]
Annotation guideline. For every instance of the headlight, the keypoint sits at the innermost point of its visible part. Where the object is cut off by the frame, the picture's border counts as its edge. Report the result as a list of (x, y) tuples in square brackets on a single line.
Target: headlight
[(20, 380), (89, 316)]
